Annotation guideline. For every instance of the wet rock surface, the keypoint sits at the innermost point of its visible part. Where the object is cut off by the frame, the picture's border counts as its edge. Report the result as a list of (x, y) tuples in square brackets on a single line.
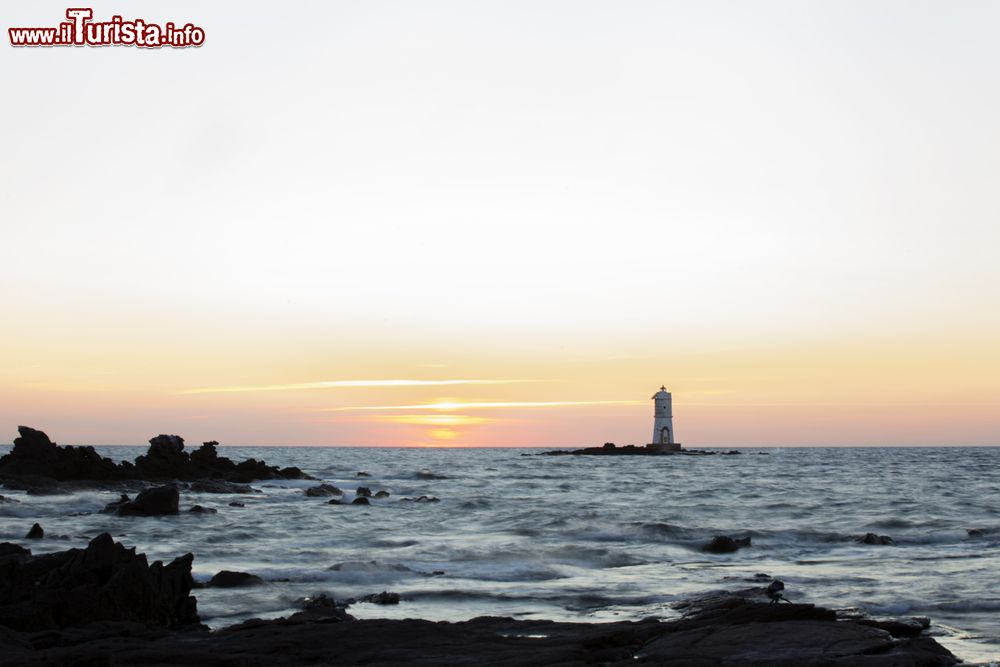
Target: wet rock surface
[(323, 490), (724, 544), (139, 619), (385, 597), (36, 462), (220, 486)]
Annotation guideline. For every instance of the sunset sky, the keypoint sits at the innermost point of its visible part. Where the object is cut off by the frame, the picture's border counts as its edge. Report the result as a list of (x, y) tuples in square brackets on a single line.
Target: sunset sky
[(506, 223)]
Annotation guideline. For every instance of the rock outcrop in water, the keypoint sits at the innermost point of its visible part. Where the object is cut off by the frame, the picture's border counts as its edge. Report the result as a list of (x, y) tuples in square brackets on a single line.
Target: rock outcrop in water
[(724, 544), (323, 490), (35, 456), (715, 630), (102, 582), (610, 449), (230, 579), (159, 501)]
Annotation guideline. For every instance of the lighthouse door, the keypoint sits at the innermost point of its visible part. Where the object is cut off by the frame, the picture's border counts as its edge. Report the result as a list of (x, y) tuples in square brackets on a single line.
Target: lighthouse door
[(665, 435)]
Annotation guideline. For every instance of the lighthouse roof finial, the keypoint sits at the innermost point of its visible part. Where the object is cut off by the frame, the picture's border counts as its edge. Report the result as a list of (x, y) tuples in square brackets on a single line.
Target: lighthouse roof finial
[(663, 387)]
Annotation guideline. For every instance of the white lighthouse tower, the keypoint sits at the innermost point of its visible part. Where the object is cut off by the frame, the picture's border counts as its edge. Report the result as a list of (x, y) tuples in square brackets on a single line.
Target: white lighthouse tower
[(663, 422)]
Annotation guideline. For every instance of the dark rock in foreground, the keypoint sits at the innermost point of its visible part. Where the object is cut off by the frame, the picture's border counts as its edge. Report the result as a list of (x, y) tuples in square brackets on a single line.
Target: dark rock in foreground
[(716, 630), (36, 533), (35, 456), (103, 582)]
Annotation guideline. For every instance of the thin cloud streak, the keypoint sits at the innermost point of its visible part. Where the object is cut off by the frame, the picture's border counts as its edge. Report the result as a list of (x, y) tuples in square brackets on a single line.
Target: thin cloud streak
[(338, 384), (450, 405)]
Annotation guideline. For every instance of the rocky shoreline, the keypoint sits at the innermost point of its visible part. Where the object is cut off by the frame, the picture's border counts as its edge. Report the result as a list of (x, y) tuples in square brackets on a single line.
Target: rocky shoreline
[(105, 605), (38, 465)]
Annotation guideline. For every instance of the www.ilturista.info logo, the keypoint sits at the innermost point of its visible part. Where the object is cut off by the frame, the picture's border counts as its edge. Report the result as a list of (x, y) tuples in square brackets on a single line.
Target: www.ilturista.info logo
[(81, 30)]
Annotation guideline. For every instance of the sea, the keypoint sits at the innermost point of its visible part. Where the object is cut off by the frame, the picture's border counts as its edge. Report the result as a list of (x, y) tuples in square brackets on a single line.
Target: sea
[(580, 538)]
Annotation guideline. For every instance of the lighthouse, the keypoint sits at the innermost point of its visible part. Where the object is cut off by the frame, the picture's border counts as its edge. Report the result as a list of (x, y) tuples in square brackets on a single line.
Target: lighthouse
[(663, 422)]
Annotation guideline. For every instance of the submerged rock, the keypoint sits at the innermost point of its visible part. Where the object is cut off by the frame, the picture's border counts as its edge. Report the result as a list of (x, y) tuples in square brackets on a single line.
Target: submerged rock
[(230, 579), (323, 490), (724, 544), (381, 494), (363, 492), (198, 509), (423, 499), (36, 533), (220, 486), (361, 500), (385, 597), (872, 538), (321, 609), (427, 474)]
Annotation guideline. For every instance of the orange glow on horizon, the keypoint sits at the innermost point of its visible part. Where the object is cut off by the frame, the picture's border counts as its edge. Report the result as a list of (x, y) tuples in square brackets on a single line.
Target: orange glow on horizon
[(433, 420), (460, 405)]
